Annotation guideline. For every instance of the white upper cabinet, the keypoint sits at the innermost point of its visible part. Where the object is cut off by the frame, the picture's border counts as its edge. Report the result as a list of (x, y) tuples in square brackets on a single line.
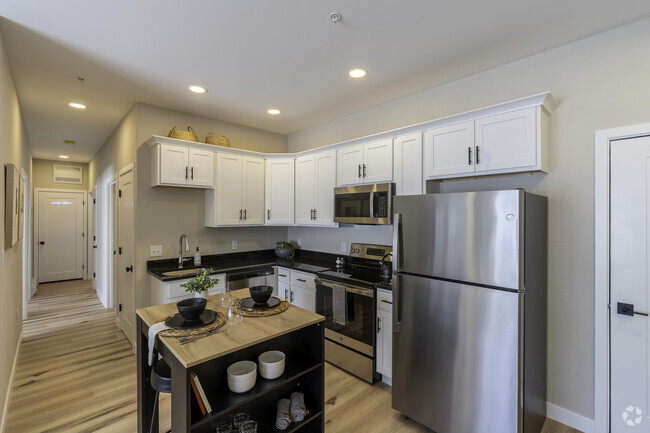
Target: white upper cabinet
[(449, 150), (506, 141), (280, 191), (407, 162), (238, 197), (176, 165), (315, 182), (365, 163), (510, 142)]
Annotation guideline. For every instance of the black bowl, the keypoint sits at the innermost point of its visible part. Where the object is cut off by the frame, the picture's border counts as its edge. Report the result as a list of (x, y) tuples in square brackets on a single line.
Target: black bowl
[(261, 294), (191, 308)]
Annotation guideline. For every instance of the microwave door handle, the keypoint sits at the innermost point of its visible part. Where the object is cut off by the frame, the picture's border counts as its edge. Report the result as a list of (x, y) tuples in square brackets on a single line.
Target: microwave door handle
[(397, 291), (372, 205)]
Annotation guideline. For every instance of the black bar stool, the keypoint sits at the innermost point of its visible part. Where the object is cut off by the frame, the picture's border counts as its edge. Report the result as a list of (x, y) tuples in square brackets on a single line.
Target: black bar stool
[(161, 381)]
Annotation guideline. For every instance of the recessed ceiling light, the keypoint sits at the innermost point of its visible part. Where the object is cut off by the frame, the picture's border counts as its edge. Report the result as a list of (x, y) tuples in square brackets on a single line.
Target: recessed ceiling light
[(64, 156), (69, 142), (197, 89), (357, 73), (77, 105), (273, 111)]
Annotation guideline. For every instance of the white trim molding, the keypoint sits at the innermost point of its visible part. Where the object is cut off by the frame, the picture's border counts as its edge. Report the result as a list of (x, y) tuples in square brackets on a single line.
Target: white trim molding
[(569, 418), (10, 386), (602, 141)]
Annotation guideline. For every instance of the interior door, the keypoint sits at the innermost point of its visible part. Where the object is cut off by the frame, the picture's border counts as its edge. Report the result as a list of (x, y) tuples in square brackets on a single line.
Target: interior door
[(629, 324), (60, 235), (125, 279)]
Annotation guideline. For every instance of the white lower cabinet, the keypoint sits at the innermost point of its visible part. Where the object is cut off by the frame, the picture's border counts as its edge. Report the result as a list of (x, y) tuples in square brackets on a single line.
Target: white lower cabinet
[(385, 335), (164, 292), (298, 288)]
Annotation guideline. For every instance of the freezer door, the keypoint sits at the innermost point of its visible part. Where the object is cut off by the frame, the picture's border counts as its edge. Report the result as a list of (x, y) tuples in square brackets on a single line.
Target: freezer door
[(471, 237), (457, 356)]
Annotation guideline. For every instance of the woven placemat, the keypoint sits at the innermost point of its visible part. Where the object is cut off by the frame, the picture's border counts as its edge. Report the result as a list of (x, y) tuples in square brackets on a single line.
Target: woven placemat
[(218, 323), (264, 313)]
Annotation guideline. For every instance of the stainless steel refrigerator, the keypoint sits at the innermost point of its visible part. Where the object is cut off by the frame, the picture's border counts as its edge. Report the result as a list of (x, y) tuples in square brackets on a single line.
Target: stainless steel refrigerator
[(469, 311)]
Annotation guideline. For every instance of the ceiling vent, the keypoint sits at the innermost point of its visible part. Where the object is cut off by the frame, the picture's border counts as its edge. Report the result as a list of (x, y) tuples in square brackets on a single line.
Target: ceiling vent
[(67, 174)]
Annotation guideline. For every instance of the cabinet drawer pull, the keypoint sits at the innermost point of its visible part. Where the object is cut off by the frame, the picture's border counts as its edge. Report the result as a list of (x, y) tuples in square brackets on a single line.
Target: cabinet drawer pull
[(301, 280), (283, 276), (286, 294), (469, 156), (387, 302), (291, 297)]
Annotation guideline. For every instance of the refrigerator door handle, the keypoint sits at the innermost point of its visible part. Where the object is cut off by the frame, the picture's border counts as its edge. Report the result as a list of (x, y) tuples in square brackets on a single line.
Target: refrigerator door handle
[(397, 255)]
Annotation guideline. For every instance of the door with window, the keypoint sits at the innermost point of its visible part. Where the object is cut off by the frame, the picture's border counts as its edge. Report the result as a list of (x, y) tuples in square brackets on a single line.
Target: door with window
[(60, 242), (629, 284)]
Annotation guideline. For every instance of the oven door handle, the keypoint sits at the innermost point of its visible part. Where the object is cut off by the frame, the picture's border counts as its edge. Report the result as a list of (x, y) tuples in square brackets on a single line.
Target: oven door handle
[(370, 293)]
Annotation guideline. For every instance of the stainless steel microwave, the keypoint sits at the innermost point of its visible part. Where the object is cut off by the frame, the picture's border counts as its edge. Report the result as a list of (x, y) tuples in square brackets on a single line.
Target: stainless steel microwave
[(364, 204)]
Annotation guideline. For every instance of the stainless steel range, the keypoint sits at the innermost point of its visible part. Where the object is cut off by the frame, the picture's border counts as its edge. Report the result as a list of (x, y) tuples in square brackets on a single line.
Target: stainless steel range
[(346, 297)]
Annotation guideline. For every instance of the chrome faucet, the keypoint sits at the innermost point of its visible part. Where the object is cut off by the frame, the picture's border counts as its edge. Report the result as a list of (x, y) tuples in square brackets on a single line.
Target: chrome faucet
[(180, 250)]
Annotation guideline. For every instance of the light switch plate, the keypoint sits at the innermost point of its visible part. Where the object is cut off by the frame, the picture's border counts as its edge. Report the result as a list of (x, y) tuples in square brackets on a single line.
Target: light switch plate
[(344, 247), (234, 245), (155, 251)]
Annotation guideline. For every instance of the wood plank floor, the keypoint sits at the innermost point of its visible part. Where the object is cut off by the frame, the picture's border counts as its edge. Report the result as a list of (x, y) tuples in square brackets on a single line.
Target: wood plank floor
[(76, 373)]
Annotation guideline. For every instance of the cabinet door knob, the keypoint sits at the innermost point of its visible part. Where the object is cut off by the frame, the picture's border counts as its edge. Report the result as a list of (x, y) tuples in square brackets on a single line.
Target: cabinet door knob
[(42, 242), (129, 268)]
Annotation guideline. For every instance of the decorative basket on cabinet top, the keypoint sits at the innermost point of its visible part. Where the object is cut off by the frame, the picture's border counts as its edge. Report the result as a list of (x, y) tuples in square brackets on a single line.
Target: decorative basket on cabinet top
[(218, 140), (188, 135)]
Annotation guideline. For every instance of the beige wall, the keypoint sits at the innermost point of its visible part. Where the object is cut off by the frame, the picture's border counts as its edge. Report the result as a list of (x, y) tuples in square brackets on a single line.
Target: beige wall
[(15, 149), (601, 82), (42, 175)]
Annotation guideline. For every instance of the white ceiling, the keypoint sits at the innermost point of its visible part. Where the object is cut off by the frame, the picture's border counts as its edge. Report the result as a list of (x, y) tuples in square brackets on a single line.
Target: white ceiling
[(256, 54)]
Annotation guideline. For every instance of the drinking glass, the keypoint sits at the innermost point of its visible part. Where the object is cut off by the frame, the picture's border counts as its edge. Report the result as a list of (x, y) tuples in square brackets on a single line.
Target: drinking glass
[(234, 315), (240, 419), (225, 299), (248, 427), (224, 427)]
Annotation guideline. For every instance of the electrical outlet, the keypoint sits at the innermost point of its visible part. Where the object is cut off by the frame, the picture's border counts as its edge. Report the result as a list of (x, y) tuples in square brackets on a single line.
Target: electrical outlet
[(299, 242), (234, 245), (155, 251), (344, 247)]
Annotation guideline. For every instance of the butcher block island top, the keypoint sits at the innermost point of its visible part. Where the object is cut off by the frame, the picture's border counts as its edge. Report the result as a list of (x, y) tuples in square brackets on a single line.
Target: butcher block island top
[(250, 331), (296, 332)]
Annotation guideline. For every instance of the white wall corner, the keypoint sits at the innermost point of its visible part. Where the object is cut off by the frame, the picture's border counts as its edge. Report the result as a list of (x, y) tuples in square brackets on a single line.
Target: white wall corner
[(10, 386), (568, 418)]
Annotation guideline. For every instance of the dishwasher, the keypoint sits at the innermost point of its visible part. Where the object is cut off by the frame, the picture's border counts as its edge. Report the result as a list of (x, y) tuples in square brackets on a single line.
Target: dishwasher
[(247, 279)]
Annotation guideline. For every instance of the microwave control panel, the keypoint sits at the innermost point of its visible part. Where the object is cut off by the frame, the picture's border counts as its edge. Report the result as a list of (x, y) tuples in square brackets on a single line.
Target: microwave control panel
[(380, 205)]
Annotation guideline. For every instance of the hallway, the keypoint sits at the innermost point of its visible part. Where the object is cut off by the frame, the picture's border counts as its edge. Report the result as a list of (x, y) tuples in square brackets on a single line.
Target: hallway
[(76, 371)]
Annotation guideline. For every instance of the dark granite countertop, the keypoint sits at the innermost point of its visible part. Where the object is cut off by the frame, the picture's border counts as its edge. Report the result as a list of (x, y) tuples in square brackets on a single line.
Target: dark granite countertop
[(304, 260)]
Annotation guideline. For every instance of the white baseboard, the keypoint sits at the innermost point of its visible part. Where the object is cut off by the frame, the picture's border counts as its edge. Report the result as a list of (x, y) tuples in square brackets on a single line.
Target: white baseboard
[(569, 418), (10, 386)]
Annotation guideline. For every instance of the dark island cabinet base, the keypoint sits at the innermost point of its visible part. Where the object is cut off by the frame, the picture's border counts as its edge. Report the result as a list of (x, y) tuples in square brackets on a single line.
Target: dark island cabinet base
[(304, 372)]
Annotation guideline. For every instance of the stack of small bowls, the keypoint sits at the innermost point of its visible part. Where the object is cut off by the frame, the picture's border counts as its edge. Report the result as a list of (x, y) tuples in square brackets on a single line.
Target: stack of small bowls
[(271, 364), (242, 376)]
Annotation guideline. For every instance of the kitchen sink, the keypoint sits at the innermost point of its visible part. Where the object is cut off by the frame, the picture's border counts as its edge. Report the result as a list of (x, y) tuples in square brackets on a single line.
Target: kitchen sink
[(184, 272)]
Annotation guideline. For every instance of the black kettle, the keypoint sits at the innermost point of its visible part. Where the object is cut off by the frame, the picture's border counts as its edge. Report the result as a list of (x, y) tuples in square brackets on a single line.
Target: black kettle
[(386, 268)]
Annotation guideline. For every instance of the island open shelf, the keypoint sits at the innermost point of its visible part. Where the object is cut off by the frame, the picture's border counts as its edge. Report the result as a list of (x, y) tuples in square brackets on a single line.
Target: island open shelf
[(296, 332)]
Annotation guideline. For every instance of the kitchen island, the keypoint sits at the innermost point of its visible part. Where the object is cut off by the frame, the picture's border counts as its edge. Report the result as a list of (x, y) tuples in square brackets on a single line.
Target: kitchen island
[(296, 332)]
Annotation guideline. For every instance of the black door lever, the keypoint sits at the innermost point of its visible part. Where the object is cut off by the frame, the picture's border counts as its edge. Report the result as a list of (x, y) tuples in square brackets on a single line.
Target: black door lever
[(628, 310)]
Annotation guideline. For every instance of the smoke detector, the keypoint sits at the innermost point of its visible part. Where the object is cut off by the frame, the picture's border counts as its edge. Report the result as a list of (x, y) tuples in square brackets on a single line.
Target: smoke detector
[(335, 17)]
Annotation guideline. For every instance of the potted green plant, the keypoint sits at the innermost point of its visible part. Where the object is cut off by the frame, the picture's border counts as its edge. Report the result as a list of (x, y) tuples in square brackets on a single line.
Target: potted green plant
[(200, 284), (284, 250)]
